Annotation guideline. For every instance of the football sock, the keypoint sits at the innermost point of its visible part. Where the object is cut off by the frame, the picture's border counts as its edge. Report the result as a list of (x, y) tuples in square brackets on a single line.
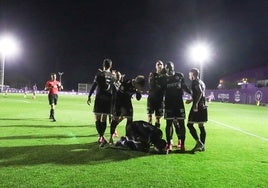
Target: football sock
[(193, 131), (182, 134), (114, 123), (52, 113), (202, 134), (169, 131), (177, 129), (98, 127), (103, 126)]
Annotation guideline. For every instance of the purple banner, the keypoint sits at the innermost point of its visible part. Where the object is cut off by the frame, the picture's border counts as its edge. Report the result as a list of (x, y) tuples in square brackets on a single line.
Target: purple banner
[(255, 96)]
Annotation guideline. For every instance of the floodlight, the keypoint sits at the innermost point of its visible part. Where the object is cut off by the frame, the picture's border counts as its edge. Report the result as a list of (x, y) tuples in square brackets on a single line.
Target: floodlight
[(200, 52), (8, 47)]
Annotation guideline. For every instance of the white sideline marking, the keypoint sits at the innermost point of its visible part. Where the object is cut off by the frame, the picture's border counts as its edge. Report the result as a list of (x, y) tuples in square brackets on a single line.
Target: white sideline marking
[(239, 130), (26, 101)]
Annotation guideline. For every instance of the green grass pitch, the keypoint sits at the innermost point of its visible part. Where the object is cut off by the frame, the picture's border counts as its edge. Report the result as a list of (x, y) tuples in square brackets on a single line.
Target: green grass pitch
[(35, 152)]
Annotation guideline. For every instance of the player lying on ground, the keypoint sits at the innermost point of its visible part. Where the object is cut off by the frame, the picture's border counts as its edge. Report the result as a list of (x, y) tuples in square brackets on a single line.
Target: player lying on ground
[(141, 135)]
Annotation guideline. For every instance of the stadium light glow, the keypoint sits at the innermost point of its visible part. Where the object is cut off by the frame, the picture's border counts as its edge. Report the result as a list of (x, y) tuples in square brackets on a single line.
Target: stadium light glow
[(200, 52), (8, 47)]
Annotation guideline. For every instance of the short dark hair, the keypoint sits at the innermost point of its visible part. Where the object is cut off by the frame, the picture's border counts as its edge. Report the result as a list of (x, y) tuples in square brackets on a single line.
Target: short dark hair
[(107, 63), (195, 72), (170, 66), (140, 80)]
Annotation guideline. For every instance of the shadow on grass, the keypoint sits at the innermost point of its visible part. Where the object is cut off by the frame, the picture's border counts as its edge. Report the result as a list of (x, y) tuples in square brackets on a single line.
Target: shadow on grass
[(21, 119), (74, 154), (45, 137), (45, 126), (12, 119)]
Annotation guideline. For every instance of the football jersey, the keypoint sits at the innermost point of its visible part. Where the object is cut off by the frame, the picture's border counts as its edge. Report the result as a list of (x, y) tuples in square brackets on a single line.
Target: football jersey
[(198, 87), (103, 81), (156, 82), (126, 90), (173, 88), (52, 86)]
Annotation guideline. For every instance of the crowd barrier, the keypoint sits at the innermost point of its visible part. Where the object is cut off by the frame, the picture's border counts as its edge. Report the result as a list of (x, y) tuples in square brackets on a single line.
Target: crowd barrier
[(256, 96)]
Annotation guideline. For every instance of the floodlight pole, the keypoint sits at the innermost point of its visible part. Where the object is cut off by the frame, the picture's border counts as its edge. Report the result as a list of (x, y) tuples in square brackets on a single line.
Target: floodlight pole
[(3, 58), (201, 70), (7, 47), (60, 74)]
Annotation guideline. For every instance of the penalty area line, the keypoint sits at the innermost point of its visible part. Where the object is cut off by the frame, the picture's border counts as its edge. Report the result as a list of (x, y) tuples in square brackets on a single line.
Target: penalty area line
[(239, 130)]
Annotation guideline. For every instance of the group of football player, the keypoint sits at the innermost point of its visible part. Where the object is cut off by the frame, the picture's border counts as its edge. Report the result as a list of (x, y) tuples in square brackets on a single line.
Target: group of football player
[(113, 97)]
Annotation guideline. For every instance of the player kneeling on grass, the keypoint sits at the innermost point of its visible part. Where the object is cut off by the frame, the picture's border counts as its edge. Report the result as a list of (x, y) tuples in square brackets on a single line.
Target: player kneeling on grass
[(141, 135)]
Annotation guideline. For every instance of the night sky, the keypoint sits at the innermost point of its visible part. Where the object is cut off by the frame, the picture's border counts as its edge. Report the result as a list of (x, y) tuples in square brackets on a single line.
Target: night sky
[(75, 36)]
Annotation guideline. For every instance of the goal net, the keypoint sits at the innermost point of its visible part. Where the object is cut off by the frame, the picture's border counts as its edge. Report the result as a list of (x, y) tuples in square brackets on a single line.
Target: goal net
[(83, 87)]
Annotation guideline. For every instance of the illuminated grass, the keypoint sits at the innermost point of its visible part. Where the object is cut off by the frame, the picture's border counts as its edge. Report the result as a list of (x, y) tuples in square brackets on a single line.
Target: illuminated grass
[(35, 152)]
